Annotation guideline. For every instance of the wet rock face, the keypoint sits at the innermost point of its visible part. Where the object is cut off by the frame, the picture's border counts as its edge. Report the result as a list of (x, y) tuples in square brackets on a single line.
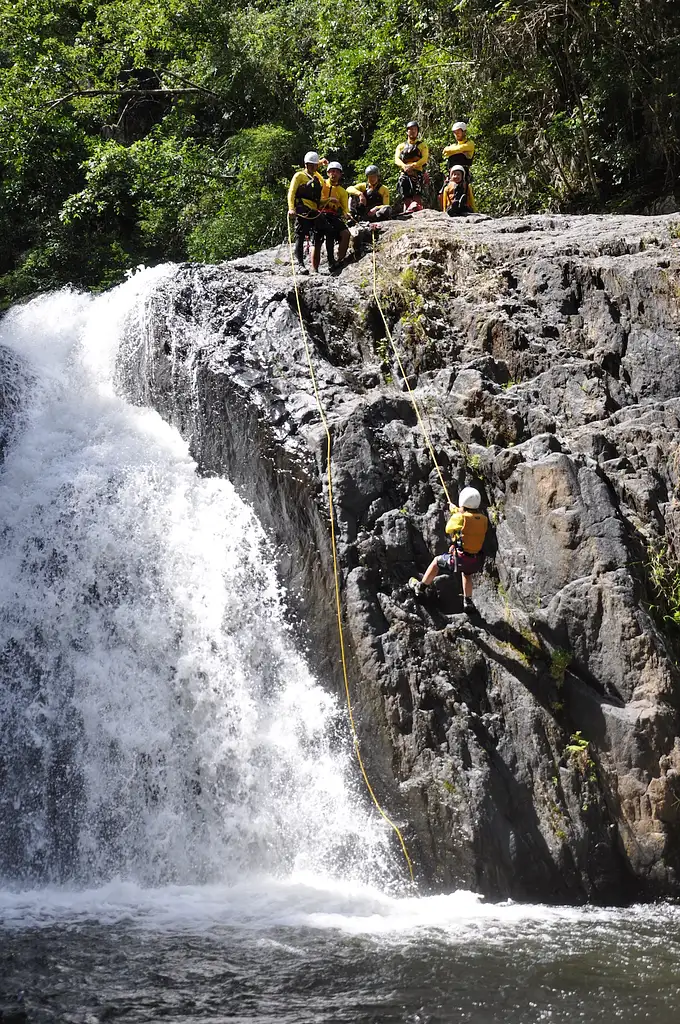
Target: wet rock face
[(530, 751)]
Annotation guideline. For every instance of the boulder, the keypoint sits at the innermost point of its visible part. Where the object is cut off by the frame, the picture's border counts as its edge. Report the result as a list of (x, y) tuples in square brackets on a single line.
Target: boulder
[(531, 751)]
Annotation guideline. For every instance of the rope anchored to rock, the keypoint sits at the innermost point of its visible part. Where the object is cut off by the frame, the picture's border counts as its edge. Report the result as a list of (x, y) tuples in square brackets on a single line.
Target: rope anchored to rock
[(336, 571), (411, 394)]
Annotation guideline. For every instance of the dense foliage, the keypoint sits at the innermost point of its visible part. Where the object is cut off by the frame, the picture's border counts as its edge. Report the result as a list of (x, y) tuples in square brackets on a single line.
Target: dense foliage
[(142, 130)]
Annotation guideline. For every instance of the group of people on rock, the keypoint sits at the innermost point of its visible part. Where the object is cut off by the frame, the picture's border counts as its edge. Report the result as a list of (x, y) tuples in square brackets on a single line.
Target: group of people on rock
[(321, 207)]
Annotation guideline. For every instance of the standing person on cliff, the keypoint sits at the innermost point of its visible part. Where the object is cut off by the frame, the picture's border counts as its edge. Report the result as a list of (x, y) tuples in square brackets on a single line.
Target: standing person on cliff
[(467, 528), (304, 197), (462, 151), (334, 206), (411, 158)]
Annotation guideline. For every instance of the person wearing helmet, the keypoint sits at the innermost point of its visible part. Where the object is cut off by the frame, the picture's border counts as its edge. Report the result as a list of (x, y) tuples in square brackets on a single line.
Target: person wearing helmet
[(467, 528), (462, 151), (411, 158), (370, 199), (456, 193), (334, 206), (304, 196)]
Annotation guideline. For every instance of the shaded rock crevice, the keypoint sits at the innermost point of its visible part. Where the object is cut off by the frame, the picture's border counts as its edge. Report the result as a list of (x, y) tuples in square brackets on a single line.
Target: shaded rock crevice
[(530, 752)]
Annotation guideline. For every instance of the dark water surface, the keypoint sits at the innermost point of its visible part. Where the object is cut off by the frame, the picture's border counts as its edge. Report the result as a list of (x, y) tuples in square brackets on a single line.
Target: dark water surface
[(295, 954)]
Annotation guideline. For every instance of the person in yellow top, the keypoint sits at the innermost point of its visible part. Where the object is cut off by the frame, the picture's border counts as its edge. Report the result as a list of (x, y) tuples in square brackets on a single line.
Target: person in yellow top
[(370, 199), (411, 158), (304, 196), (334, 206), (462, 151), (456, 194), (467, 528)]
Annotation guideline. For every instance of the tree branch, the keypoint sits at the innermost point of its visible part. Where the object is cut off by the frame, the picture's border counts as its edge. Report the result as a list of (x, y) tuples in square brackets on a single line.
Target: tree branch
[(78, 93), (188, 82)]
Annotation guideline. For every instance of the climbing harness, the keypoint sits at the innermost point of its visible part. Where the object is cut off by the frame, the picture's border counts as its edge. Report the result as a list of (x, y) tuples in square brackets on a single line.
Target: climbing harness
[(336, 572), (414, 403)]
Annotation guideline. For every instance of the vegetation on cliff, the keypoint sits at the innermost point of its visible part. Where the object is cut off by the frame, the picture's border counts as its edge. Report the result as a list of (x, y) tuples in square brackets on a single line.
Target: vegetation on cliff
[(144, 130)]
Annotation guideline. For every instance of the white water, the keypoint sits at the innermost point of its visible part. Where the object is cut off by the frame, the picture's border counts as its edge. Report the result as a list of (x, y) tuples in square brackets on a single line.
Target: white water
[(157, 726)]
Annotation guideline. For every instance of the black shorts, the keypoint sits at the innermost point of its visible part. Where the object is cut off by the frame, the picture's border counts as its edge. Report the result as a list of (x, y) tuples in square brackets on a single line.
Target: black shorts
[(315, 227), (335, 227), (410, 185)]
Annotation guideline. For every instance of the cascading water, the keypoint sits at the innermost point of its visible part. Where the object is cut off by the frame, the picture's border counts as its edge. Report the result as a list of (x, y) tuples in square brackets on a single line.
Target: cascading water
[(157, 723)]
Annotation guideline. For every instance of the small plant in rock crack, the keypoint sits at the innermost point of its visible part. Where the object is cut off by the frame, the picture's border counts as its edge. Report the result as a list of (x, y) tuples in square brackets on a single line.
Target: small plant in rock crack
[(472, 461), (578, 752), (664, 577), (495, 512), (560, 660)]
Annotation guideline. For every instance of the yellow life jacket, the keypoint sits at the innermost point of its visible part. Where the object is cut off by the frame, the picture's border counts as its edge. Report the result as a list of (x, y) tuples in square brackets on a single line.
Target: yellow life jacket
[(471, 529), (332, 201)]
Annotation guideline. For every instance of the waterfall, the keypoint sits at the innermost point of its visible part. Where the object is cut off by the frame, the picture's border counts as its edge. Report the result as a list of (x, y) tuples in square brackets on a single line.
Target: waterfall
[(157, 723)]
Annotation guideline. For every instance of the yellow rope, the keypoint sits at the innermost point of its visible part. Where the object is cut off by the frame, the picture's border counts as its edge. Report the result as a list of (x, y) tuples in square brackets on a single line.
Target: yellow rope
[(336, 573), (414, 403)]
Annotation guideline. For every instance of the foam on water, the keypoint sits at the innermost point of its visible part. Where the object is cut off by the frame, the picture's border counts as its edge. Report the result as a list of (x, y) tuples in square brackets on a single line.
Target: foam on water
[(319, 903), (157, 723)]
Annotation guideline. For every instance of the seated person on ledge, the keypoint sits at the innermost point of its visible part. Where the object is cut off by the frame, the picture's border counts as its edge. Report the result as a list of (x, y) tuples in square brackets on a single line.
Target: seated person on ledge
[(370, 199), (456, 198)]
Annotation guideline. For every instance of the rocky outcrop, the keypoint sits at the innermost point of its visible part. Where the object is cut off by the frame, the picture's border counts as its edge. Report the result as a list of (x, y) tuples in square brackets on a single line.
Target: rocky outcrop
[(531, 751)]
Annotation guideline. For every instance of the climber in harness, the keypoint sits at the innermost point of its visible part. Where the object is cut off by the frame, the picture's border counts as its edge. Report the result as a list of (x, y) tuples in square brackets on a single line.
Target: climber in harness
[(456, 194), (334, 207), (370, 199), (467, 529), (304, 196), (411, 158)]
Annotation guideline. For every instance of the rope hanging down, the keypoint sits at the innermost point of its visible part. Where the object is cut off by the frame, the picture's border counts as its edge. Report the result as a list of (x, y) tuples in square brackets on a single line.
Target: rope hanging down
[(336, 572), (414, 403)]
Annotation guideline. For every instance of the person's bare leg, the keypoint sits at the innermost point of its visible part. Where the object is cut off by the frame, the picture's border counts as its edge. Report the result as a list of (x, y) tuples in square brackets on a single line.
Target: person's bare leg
[(467, 585), (430, 573), (342, 245)]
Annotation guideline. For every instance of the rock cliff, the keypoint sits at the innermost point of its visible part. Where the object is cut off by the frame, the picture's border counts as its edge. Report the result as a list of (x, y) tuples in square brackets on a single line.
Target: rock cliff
[(532, 751)]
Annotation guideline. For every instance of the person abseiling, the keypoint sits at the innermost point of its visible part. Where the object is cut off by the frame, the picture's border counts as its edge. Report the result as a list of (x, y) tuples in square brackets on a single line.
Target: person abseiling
[(334, 205), (304, 196), (467, 528), (456, 193), (370, 199), (462, 151), (411, 158)]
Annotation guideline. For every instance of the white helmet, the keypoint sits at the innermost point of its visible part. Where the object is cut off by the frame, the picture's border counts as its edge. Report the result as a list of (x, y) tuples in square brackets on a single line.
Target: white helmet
[(470, 497), (458, 167), (334, 166), (459, 124), (311, 157)]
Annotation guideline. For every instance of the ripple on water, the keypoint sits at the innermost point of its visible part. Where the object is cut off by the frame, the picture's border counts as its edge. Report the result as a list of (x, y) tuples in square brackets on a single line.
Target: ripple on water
[(301, 951)]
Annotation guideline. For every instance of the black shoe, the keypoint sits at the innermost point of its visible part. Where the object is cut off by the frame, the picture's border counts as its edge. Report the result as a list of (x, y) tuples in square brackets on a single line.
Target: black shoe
[(419, 588), (469, 606), (301, 269)]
